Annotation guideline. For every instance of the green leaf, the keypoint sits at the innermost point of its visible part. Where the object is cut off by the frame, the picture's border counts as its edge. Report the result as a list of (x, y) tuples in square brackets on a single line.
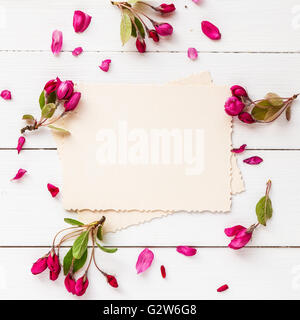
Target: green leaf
[(48, 110), (259, 113), (99, 233), (274, 99), (61, 130), (272, 113), (132, 2), (107, 250), (125, 27), (28, 117), (264, 210), (80, 245), (78, 263), (42, 99), (264, 104), (140, 27), (51, 98), (73, 222), (288, 113)]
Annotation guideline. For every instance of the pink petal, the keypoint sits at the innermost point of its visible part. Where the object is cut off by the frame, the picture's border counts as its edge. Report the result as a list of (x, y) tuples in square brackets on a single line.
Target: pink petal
[(77, 51), (230, 232), (52, 189), (144, 260), (57, 40), (19, 174), (187, 251), (192, 53), (21, 142), (210, 30), (105, 65), (6, 95), (240, 149), (240, 240), (223, 288), (253, 160), (81, 21), (197, 1)]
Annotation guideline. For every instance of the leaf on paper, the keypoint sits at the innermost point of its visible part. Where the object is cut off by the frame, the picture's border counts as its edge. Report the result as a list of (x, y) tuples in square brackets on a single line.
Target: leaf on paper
[(61, 130)]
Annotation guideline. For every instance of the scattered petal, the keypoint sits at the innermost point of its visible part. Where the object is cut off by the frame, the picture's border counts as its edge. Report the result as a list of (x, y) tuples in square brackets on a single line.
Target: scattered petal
[(240, 149), (187, 251), (81, 21), (21, 142), (192, 53), (210, 30), (6, 95), (253, 160), (144, 260), (223, 288), (19, 174), (163, 271), (105, 65), (246, 117), (57, 40), (53, 189), (77, 51)]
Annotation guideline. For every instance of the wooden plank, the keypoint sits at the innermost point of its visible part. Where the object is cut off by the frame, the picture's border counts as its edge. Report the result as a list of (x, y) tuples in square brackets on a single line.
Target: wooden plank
[(250, 274), (25, 74), (30, 216), (272, 28)]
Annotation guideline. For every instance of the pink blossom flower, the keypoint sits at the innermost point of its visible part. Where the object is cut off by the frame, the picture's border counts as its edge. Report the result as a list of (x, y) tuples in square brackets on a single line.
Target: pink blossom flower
[(81, 285), (5, 94), (73, 102), (144, 260), (210, 30), (165, 8), (163, 29), (105, 65), (57, 41), (246, 117), (238, 91), (192, 53), (241, 236), (52, 85), (19, 174), (233, 106), (154, 35), (65, 90), (53, 189), (77, 51), (39, 266), (70, 283), (240, 149), (187, 251), (253, 160), (140, 45), (20, 145), (112, 281), (223, 288), (81, 21)]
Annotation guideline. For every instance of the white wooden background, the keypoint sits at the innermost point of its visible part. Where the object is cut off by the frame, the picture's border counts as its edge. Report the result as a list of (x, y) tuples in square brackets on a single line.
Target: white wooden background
[(259, 49)]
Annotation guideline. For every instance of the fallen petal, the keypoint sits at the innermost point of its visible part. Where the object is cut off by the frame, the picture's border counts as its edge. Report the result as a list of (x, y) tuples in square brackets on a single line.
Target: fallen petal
[(105, 65), (144, 260), (52, 189), (210, 30), (81, 21), (240, 149), (253, 160), (19, 174), (6, 95), (77, 51), (187, 251), (223, 288), (192, 53), (163, 271), (21, 142), (57, 40)]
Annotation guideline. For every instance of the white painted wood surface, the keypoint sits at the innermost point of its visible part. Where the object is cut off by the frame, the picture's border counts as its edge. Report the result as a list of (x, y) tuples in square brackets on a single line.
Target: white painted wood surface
[(259, 49)]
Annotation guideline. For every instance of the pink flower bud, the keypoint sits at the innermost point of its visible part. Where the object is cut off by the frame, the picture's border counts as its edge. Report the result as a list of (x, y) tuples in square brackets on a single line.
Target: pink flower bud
[(163, 29), (238, 91), (52, 85), (21, 142), (112, 281), (65, 90), (53, 262), (53, 190), (70, 283), (253, 160), (77, 51), (57, 40), (223, 288), (105, 65), (53, 275), (241, 236), (6, 95), (246, 117), (81, 21), (73, 102), (165, 8), (233, 106), (153, 35), (192, 53), (81, 285), (39, 266), (140, 45), (210, 30)]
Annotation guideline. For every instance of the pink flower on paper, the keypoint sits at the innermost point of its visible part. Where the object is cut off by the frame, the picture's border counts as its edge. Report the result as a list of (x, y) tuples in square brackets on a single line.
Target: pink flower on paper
[(186, 251), (238, 91), (20, 145), (73, 102), (65, 90), (241, 236), (81, 285), (246, 117), (19, 174), (81, 21), (210, 30), (223, 288), (77, 51), (52, 189), (233, 106), (192, 53), (39, 266), (163, 29), (70, 283), (112, 281), (105, 65), (144, 260), (5, 94), (57, 41), (240, 149), (253, 160)]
